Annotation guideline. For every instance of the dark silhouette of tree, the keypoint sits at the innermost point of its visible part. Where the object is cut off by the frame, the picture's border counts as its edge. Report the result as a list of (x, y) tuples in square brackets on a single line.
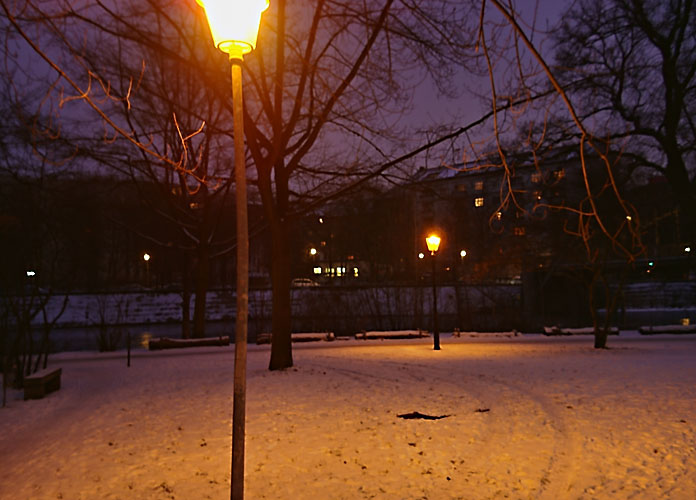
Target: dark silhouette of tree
[(323, 91), (601, 217), (630, 66), (159, 124), (331, 72)]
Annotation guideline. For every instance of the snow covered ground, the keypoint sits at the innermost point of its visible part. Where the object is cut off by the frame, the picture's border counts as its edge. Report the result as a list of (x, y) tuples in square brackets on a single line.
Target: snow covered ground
[(527, 417)]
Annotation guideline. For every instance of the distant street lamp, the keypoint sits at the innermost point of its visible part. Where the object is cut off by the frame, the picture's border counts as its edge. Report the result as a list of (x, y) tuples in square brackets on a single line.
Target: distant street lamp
[(234, 25), (433, 242), (146, 258)]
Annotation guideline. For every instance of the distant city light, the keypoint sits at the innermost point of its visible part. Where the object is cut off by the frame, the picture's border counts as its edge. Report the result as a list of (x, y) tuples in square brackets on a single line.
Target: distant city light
[(146, 257), (687, 249), (629, 218), (421, 255), (317, 270), (462, 254), (31, 274), (321, 220), (312, 251), (651, 263)]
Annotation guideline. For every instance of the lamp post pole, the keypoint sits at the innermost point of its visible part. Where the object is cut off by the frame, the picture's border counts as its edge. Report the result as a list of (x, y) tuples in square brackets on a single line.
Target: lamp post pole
[(234, 26), (436, 330), (433, 243), (241, 321), (146, 258)]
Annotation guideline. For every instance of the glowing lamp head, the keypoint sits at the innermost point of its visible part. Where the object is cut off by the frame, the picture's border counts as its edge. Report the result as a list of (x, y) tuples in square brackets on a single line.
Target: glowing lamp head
[(234, 24), (146, 257), (433, 242)]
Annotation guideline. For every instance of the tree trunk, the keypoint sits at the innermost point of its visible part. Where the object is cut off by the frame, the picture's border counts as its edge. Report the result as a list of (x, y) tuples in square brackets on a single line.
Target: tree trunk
[(600, 337), (678, 178), (202, 282), (281, 346)]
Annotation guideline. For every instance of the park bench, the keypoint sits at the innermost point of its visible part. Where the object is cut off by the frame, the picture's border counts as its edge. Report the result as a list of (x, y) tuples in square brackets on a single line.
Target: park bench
[(394, 334), (654, 330), (159, 343), (556, 330), (265, 338), (38, 384)]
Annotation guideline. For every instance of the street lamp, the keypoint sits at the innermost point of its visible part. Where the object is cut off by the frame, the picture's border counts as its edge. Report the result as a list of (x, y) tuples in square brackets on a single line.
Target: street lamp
[(234, 25), (146, 258), (433, 242)]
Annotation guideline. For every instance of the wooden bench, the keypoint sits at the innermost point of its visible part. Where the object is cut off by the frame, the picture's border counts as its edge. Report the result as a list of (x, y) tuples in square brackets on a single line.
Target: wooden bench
[(265, 338), (38, 384), (158, 343), (395, 334)]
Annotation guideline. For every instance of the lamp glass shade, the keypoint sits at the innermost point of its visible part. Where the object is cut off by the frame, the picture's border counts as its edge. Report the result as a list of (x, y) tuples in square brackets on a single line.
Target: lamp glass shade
[(234, 24), (433, 242)]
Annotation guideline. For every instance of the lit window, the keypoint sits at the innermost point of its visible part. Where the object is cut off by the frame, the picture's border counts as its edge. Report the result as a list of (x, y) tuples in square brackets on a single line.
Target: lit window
[(536, 177), (461, 187), (519, 231), (317, 270), (478, 186), (478, 202), (355, 272)]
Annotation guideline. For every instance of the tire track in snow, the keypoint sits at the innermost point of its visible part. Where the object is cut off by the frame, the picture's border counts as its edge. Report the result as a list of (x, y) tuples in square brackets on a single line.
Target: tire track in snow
[(554, 478), (558, 474)]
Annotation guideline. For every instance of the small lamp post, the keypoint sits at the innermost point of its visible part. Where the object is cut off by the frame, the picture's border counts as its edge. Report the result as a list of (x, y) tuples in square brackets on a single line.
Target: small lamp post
[(234, 25), (146, 258), (433, 242)]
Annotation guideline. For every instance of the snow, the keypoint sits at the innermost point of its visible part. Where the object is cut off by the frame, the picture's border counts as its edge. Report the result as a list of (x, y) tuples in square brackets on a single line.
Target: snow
[(527, 417)]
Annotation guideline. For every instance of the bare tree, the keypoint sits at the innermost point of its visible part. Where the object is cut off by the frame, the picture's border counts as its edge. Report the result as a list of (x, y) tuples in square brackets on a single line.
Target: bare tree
[(156, 123), (324, 90), (326, 85), (630, 65), (602, 218)]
